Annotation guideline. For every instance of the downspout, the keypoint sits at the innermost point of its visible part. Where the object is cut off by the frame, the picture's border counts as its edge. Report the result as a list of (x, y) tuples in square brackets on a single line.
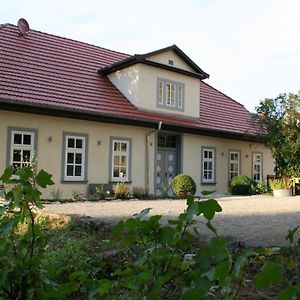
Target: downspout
[(147, 156)]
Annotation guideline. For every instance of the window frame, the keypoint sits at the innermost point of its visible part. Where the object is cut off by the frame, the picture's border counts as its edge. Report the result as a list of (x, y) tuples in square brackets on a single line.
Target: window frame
[(128, 141), (230, 161), (10, 143), (168, 92), (213, 160), (84, 157), (260, 164)]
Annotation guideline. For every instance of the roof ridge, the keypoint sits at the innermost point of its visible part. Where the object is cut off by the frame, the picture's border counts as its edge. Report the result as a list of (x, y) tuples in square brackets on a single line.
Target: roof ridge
[(67, 39), (225, 95)]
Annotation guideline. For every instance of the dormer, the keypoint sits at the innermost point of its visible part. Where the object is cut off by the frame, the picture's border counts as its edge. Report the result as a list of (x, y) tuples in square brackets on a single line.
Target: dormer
[(165, 81)]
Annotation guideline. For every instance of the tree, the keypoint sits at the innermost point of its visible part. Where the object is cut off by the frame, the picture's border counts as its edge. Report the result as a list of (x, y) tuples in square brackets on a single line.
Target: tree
[(279, 120)]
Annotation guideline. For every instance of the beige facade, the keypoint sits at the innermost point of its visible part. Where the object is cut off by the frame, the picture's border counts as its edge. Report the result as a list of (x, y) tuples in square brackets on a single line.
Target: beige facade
[(138, 83), (50, 145), (165, 57), (192, 145)]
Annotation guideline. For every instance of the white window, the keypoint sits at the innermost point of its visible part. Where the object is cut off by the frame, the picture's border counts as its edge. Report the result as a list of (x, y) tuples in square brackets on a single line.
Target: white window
[(75, 157), (120, 160), (22, 147), (257, 166), (160, 92), (208, 165), (179, 97), (170, 94), (234, 164)]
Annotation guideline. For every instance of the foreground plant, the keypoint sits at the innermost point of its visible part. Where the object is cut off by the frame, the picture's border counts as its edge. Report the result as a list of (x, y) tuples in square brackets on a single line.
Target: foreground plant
[(152, 260), (21, 238), (162, 265)]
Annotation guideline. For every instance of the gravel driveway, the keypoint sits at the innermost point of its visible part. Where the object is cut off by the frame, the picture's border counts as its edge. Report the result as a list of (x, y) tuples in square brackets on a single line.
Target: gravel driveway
[(255, 220)]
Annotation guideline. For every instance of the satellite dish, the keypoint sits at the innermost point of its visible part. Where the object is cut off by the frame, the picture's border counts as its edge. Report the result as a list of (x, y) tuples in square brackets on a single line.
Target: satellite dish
[(23, 26)]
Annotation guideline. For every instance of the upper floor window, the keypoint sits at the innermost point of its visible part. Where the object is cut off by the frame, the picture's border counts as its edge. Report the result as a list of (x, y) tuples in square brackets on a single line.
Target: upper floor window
[(208, 165), (170, 94), (75, 157), (22, 145), (257, 166), (234, 164)]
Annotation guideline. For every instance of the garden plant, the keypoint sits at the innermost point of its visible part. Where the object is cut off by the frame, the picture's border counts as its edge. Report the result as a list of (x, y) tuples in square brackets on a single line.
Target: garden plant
[(142, 259)]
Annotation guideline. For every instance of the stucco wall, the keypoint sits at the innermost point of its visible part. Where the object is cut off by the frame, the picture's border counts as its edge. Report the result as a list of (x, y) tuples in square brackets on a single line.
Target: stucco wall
[(138, 84), (50, 153), (164, 58), (192, 157)]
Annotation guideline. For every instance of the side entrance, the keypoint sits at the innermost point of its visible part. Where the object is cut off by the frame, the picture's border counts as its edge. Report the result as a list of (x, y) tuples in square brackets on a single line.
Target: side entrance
[(168, 162)]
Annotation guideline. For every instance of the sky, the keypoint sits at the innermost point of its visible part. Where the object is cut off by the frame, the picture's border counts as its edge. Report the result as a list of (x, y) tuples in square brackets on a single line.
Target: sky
[(251, 49)]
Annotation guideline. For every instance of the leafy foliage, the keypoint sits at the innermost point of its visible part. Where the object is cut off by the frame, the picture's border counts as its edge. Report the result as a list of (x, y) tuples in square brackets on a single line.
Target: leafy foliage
[(140, 193), (279, 118), (183, 185), (145, 257), (21, 238), (258, 188), (240, 185), (284, 183), (121, 191), (100, 193)]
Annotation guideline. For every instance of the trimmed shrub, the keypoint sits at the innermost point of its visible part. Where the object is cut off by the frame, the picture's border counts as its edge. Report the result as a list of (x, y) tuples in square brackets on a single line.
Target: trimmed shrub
[(240, 185), (121, 191), (183, 185), (259, 188)]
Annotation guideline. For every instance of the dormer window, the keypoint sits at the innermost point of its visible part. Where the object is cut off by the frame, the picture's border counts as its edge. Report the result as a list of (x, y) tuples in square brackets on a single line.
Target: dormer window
[(170, 94)]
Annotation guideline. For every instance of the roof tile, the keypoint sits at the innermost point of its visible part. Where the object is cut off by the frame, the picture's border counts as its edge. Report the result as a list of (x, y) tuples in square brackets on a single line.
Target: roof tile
[(43, 69)]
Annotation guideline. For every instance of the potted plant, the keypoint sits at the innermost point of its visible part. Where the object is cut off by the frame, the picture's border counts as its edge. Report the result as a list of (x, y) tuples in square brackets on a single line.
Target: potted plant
[(281, 187)]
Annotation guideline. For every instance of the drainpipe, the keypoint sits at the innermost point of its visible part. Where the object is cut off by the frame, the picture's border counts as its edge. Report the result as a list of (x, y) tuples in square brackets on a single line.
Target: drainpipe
[(147, 156)]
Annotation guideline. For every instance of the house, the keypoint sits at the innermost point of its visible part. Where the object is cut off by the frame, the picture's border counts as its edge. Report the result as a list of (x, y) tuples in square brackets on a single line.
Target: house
[(97, 116)]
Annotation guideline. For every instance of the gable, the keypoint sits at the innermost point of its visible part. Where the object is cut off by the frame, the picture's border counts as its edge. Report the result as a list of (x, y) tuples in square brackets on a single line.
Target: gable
[(165, 57)]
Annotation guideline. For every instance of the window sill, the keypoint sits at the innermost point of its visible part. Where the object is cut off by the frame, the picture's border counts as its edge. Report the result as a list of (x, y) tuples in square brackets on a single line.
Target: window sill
[(74, 181), (208, 183), (117, 181)]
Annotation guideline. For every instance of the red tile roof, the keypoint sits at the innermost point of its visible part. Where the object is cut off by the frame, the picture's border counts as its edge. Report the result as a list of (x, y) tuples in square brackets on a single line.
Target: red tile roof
[(43, 70)]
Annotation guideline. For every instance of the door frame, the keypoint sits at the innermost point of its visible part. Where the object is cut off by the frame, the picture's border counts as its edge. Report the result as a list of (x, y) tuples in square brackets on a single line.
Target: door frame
[(178, 149)]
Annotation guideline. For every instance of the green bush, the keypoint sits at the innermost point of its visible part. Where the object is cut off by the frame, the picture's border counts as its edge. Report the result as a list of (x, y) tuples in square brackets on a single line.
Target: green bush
[(100, 193), (183, 185), (139, 193), (121, 191), (259, 188), (240, 185)]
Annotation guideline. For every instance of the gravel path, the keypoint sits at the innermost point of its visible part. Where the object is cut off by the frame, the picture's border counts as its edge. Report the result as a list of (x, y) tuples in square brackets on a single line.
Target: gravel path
[(255, 220)]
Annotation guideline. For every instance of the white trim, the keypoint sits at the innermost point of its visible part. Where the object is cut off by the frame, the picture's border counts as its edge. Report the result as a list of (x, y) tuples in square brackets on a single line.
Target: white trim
[(168, 92), (179, 96), (257, 163), (235, 162), (119, 153), (21, 147), (75, 151), (160, 92), (206, 172)]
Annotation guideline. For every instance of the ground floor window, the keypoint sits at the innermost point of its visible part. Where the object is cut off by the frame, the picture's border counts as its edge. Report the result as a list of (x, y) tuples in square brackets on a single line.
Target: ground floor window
[(22, 146), (257, 166), (208, 165), (234, 163), (120, 149), (74, 157)]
